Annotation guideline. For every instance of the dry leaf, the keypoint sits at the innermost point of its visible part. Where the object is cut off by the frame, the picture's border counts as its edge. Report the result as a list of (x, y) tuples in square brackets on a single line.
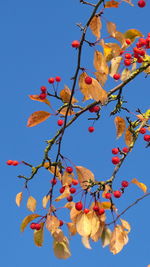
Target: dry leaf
[(38, 236), (74, 213), (106, 236), (52, 169), (65, 194), (58, 235), (125, 74), (94, 221), (111, 3), (31, 204), (120, 37), (111, 28), (27, 220), (72, 228), (19, 198), (52, 223), (37, 117), (37, 98), (61, 249), (100, 62), (128, 137), (119, 238), (64, 110), (83, 224), (120, 126), (101, 77), (132, 34), (111, 50), (45, 201), (142, 186), (95, 26), (65, 95), (129, 2), (126, 225), (85, 242), (84, 175), (67, 178), (99, 232), (115, 64), (69, 205)]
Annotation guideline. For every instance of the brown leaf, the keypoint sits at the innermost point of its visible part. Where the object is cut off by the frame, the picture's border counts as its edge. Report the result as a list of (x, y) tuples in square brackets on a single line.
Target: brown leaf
[(45, 201), (67, 178), (129, 2), (69, 205), (95, 26), (120, 126), (38, 236), (61, 249), (111, 28), (93, 90), (100, 62), (37, 117), (111, 3), (65, 194), (52, 223), (126, 225), (19, 198), (37, 98), (64, 110), (84, 175), (65, 95), (52, 169), (101, 77), (120, 37), (128, 137), (27, 220), (85, 242), (119, 238), (31, 204), (58, 235), (72, 228), (115, 64), (142, 186), (83, 224)]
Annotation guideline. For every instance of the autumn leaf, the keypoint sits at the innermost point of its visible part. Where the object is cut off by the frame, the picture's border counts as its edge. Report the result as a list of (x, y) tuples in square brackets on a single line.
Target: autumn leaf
[(65, 194), (31, 204), (115, 63), (37, 98), (129, 2), (132, 34), (67, 178), (27, 220), (98, 234), (95, 26), (119, 239), (94, 221), (126, 225), (61, 249), (142, 186), (52, 169), (106, 236), (52, 223), (58, 235), (85, 242), (101, 77), (37, 117), (125, 74), (99, 62), (19, 198), (83, 224), (45, 201), (74, 214), (72, 228), (111, 50), (64, 110), (38, 236), (128, 137), (84, 175), (111, 3), (65, 95), (111, 28), (121, 38), (120, 126)]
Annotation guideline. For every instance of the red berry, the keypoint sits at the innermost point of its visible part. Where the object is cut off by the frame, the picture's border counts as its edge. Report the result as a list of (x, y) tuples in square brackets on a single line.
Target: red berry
[(61, 223), (96, 108), (101, 211), (62, 189), (51, 80), (128, 56), (91, 129), (96, 208), (142, 41), (60, 122), (128, 41), (121, 52), (9, 162), (42, 96), (79, 206), (15, 163), (75, 182), (53, 181), (115, 151), (141, 3), (127, 62), (69, 169), (124, 184), (86, 211), (72, 190), (136, 50), (37, 226), (136, 56), (108, 195), (115, 160), (142, 131), (57, 79), (138, 45), (142, 53), (43, 89), (140, 60), (116, 76), (75, 44), (70, 198), (91, 109), (125, 149), (88, 80), (148, 35), (117, 194), (33, 226), (147, 138)]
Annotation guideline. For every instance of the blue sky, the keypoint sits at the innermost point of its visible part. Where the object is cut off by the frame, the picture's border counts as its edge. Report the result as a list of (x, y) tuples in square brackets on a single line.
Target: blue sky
[(35, 45)]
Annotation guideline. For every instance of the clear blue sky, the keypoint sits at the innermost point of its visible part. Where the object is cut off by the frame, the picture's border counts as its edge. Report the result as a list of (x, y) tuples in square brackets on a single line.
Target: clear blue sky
[(35, 44)]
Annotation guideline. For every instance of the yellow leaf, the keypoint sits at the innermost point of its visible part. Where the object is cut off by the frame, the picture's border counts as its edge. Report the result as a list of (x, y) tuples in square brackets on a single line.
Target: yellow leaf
[(38, 236), (132, 34), (52, 169), (100, 62), (101, 77), (45, 201), (64, 110), (65, 95), (65, 194), (93, 90), (85, 242), (115, 63), (61, 249), (84, 175), (27, 220), (67, 178), (74, 214), (95, 26), (69, 205), (126, 225), (37, 98), (52, 223), (111, 3), (19, 198), (106, 236), (120, 37), (106, 205), (83, 224), (111, 28), (72, 228), (120, 126), (31, 204), (94, 221), (37, 117), (111, 50), (98, 234), (125, 74), (129, 2), (119, 238), (128, 137), (142, 186)]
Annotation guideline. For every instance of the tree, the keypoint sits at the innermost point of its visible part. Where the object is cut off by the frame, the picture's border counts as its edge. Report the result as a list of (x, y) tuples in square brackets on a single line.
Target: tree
[(90, 221)]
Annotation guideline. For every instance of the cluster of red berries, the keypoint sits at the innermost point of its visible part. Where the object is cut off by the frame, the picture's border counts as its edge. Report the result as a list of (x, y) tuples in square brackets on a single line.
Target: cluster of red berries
[(12, 162), (146, 136), (35, 226), (43, 94), (52, 80), (79, 207), (115, 151), (75, 44), (141, 3), (117, 193), (94, 109)]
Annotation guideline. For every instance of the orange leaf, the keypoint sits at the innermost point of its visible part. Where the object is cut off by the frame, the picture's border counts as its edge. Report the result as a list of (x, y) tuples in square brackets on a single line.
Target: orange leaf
[(37, 98), (142, 186), (19, 198), (84, 175), (63, 111), (128, 137), (120, 126), (65, 95), (111, 28), (95, 26), (111, 4), (37, 117), (28, 219)]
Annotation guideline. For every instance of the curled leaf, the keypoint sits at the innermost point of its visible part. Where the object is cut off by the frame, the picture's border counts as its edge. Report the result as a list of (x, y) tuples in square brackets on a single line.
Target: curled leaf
[(37, 117), (142, 186), (132, 34), (120, 126), (31, 204), (37, 98), (106, 236), (83, 224), (72, 228), (38, 236), (126, 225), (65, 194), (52, 169), (45, 201), (19, 198), (119, 239), (27, 220), (65, 95), (125, 74), (128, 137), (85, 242), (111, 28), (115, 63)]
